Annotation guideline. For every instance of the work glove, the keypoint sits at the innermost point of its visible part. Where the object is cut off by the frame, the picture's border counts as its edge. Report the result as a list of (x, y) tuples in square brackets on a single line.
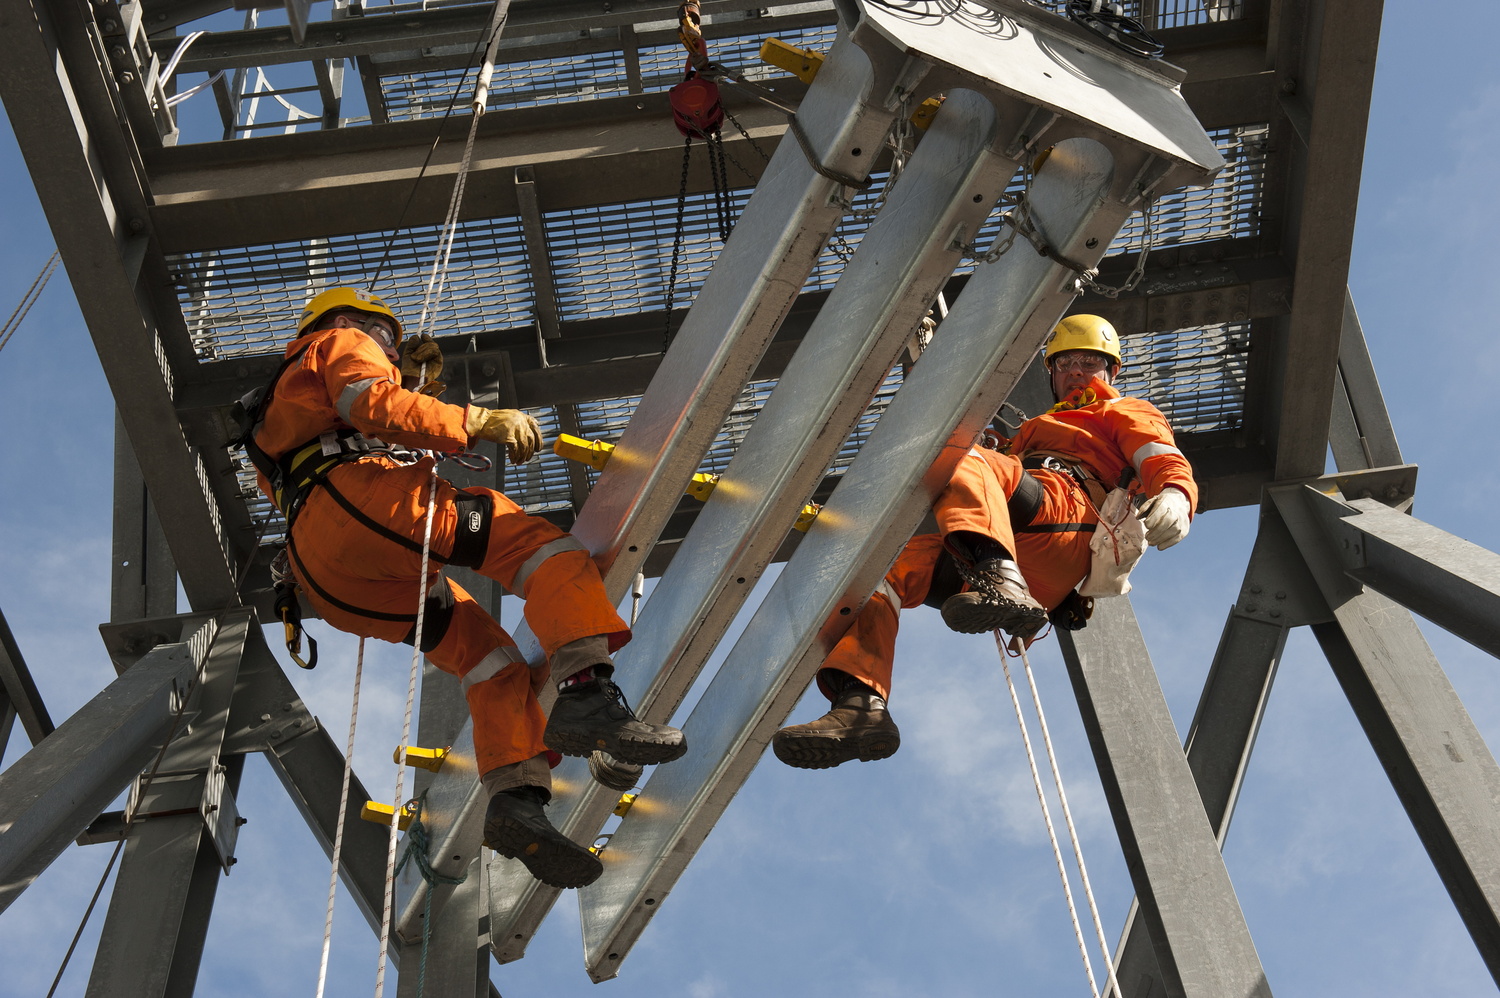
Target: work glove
[(419, 350), (1166, 516), (513, 429)]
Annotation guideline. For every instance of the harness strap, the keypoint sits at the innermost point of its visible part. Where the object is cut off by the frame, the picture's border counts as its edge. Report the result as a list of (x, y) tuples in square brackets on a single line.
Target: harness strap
[(379, 528), (439, 606)]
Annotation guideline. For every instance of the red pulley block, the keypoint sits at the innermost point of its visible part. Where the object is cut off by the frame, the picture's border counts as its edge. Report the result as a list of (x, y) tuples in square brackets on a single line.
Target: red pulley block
[(695, 106)]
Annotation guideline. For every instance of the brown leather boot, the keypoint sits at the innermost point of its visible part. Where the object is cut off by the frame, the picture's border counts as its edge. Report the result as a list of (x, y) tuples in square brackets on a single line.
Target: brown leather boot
[(857, 727), (997, 598)]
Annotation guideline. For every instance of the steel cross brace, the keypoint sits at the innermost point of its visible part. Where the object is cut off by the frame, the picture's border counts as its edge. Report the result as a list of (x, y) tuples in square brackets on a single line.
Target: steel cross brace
[(1438, 764), (49, 796)]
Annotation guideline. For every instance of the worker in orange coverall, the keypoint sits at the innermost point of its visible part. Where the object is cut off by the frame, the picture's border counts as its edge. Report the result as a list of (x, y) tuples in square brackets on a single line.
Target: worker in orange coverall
[(334, 425), (1015, 527)]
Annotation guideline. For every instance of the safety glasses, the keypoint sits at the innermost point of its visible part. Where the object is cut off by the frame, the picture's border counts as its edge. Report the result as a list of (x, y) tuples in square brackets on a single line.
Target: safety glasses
[(1081, 361)]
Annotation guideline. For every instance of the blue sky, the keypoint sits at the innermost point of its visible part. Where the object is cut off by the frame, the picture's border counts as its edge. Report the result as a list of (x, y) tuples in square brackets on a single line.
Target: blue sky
[(929, 873)]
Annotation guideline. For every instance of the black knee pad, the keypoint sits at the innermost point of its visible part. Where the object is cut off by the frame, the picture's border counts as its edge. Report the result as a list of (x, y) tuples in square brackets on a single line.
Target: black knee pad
[(471, 534), (436, 618)]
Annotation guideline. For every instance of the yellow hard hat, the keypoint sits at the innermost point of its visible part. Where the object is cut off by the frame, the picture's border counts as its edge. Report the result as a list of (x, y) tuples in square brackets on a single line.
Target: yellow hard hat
[(1083, 332), (352, 298)]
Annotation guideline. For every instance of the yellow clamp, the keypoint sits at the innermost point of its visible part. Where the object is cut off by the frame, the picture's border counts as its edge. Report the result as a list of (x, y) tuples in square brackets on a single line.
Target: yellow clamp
[(594, 453), (430, 759), (626, 800), (380, 813), (805, 63), (807, 516)]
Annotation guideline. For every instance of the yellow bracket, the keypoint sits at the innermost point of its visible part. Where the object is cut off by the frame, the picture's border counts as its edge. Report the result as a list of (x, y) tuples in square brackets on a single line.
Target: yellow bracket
[(801, 63), (594, 453), (807, 516), (380, 814), (626, 800), (805, 63), (702, 486), (430, 759)]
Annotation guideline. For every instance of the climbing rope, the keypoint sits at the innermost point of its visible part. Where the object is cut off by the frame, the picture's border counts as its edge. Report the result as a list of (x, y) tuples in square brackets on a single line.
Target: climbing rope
[(411, 696), (1062, 797), (338, 833)]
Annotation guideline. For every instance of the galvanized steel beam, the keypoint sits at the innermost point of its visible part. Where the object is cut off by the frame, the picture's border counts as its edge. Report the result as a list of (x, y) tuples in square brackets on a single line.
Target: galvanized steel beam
[(985, 343), (1452, 582), (156, 921), (49, 796), (750, 289), (22, 699), (1197, 930), (1437, 761), (1360, 433)]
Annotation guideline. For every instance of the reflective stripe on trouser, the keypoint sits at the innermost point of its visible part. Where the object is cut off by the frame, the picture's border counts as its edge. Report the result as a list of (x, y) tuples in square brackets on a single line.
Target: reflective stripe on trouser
[(975, 499), (565, 596)]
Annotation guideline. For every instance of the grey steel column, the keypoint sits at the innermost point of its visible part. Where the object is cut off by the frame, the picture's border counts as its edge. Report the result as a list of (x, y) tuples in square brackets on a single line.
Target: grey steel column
[(18, 693), (1276, 595), (1438, 764), (149, 947), (1005, 311), (1201, 943), (50, 795)]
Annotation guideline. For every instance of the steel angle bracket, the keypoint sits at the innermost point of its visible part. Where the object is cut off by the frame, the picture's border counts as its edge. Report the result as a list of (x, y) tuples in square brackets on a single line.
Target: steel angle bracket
[(990, 333), (1051, 80)]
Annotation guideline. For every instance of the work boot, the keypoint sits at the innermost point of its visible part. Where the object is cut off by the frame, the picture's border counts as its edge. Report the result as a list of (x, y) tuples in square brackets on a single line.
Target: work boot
[(515, 827), (997, 598), (612, 773), (857, 727), (593, 715)]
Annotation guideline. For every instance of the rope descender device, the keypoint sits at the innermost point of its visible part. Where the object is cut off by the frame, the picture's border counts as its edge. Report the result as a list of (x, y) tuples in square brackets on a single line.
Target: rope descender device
[(289, 611)]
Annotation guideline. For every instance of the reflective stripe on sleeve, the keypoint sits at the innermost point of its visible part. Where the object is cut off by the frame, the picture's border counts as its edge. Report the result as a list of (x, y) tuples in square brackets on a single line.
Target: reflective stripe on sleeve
[(491, 665), (350, 394), (888, 591), (1152, 450), (530, 565)]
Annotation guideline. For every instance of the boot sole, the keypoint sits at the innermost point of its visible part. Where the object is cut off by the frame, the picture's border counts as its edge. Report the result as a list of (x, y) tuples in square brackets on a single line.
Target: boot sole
[(612, 773), (973, 617), (824, 751), (555, 859), (640, 751)]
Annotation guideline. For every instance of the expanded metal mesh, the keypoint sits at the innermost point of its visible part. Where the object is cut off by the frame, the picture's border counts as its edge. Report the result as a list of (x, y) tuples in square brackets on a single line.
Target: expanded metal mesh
[(1196, 377), (1158, 14), (246, 301)]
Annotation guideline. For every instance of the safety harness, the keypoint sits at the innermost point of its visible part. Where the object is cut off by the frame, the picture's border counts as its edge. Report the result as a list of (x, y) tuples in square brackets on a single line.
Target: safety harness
[(292, 479)]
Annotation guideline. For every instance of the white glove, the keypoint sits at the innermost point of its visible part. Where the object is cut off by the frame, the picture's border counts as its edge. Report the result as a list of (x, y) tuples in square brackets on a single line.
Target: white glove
[(1166, 516)]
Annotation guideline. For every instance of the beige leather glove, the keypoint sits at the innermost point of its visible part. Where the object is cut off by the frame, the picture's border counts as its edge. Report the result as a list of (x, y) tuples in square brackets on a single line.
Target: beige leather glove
[(419, 350), (516, 431), (1166, 516)]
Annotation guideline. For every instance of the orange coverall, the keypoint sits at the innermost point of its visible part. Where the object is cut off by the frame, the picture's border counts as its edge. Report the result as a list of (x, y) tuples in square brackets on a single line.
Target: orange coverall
[(366, 582), (1095, 427)]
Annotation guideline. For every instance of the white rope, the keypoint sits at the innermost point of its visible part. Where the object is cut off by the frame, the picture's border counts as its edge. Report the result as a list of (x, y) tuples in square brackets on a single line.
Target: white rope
[(1041, 796), (411, 697), (1083, 871), (338, 834), (439, 273)]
